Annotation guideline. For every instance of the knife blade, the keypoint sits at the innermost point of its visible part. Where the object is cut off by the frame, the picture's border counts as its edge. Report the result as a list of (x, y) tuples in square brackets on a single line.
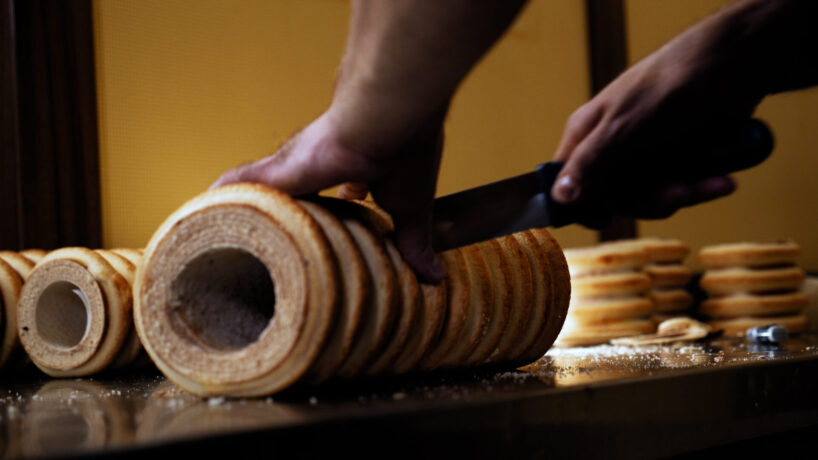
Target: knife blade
[(503, 207)]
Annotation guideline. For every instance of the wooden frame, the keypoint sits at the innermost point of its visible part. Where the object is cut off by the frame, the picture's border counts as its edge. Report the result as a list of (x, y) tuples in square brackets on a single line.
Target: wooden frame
[(49, 162), (608, 57)]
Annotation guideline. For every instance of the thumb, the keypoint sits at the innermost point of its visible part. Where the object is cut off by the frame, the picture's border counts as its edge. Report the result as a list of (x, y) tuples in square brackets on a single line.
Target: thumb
[(279, 170), (569, 187)]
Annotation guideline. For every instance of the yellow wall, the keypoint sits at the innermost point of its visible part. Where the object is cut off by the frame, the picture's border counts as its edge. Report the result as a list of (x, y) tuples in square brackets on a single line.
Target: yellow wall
[(778, 199), (189, 89)]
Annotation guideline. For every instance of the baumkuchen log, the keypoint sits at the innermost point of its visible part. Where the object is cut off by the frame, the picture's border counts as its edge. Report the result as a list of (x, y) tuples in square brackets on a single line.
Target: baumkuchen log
[(10, 286), (75, 312), (14, 269), (245, 291)]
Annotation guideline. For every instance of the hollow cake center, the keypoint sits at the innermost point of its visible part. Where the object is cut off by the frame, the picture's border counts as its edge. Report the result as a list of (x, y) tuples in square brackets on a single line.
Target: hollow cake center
[(62, 314), (225, 297)]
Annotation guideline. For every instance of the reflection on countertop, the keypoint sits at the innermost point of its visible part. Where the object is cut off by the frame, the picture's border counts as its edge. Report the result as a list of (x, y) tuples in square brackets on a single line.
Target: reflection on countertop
[(40, 417)]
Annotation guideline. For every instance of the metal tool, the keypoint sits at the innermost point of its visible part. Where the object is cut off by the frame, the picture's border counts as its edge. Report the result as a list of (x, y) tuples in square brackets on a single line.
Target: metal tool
[(524, 201), (507, 206), (769, 334)]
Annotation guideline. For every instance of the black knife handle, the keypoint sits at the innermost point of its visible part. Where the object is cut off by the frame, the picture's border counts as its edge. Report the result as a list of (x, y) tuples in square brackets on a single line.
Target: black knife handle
[(560, 215), (744, 145)]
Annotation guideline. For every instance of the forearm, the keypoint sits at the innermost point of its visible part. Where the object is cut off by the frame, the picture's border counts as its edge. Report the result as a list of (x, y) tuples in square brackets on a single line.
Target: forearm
[(404, 61), (763, 46)]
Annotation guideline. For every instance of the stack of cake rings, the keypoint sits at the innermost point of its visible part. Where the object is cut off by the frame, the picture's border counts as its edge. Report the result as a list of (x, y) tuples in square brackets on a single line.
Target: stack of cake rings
[(14, 268), (609, 294), (668, 276), (74, 316), (245, 291), (753, 284)]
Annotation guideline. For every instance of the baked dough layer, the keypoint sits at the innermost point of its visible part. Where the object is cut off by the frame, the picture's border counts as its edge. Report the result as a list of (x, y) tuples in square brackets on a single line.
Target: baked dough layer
[(663, 250), (627, 283), (736, 280), (748, 254), (10, 286), (607, 257), (609, 310), (754, 305)]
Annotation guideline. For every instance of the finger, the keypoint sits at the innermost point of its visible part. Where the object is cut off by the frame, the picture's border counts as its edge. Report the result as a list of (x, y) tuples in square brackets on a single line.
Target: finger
[(353, 190), (233, 176), (261, 171), (279, 171), (307, 163), (579, 124), (669, 199), (568, 187)]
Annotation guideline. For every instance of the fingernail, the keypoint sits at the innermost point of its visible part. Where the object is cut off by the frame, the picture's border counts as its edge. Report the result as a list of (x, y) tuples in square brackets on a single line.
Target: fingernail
[(566, 190)]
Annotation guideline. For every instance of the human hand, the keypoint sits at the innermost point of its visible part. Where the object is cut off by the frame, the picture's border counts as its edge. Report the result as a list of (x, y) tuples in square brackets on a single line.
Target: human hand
[(383, 130), (402, 179), (665, 134)]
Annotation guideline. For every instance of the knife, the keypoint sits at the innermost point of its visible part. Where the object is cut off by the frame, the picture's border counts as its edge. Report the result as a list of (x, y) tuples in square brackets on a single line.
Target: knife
[(504, 207), (524, 201)]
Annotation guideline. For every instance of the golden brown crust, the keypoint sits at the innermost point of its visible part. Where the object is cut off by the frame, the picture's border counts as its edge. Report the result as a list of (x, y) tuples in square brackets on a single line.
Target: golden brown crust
[(134, 256), (34, 255), (428, 328), (481, 303), (664, 249), (748, 254), (21, 264), (132, 346), (10, 287), (754, 305), (543, 295), (377, 218), (561, 285), (458, 301), (610, 310), (384, 300), (738, 280), (606, 257), (522, 297), (409, 306), (119, 263), (737, 327), (500, 278), (356, 283), (610, 284)]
